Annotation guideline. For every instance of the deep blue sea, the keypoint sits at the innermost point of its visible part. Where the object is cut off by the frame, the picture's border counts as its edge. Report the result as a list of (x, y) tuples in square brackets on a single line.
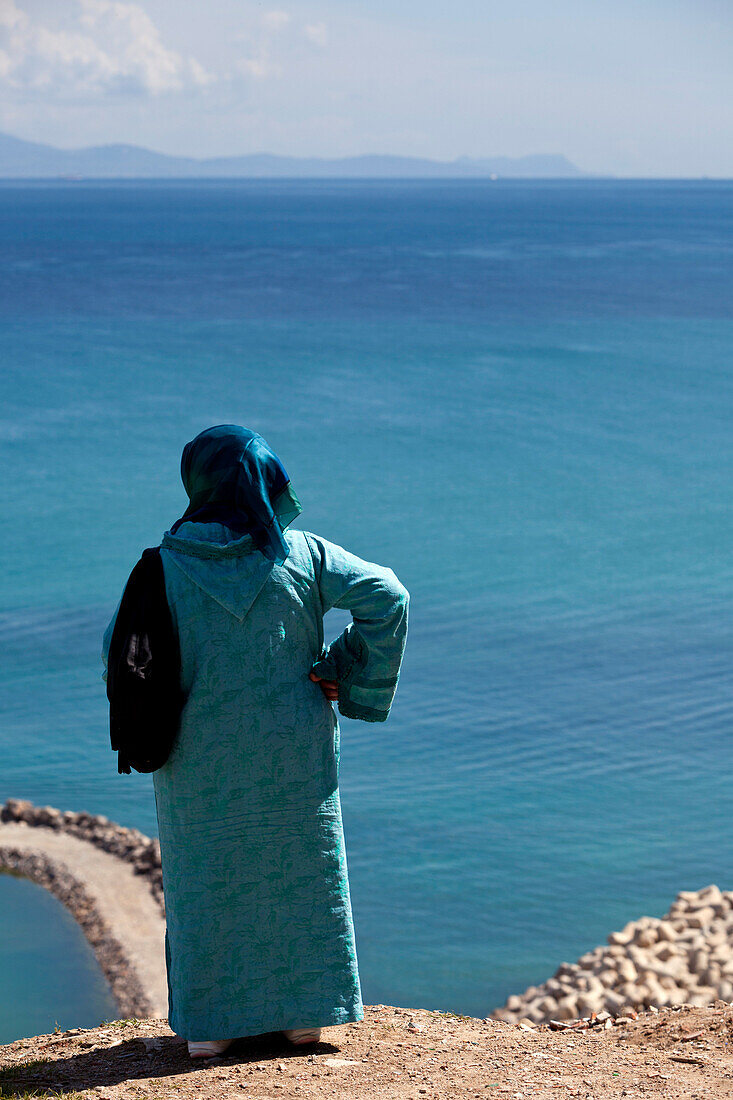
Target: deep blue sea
[(519, 395)]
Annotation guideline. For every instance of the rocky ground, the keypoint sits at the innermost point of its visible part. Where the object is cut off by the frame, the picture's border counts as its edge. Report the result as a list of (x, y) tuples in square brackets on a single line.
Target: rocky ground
[(393, 1053)]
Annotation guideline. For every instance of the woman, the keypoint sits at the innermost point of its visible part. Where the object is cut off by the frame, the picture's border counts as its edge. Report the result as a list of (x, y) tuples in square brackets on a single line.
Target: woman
[(259, 929)]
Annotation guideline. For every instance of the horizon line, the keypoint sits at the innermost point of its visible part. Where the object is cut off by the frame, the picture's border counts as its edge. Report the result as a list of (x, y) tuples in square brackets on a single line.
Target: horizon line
[(496, 178)]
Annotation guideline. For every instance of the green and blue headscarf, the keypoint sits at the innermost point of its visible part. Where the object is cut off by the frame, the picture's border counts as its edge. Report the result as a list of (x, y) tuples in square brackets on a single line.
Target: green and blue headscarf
[(232, 477)]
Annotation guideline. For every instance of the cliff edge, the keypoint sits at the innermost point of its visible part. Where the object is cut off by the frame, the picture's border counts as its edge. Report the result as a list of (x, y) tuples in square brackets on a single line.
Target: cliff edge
[(393, 1054)]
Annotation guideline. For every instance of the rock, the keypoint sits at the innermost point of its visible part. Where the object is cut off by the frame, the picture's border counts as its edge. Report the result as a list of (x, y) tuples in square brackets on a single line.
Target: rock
[(703, 997), (700, 918), (667, 952), (665, 931), (47, 815), (711, 895), (626, 971), (19, 809), (613, 1002), (645, 937), (588, 1003), (634, 994), (699, 962), (616, 951), (567, 1008), (659, 995), (712, 976)]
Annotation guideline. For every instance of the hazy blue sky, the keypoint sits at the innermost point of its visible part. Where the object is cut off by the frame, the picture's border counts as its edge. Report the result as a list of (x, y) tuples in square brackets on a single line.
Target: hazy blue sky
[(631, 88)]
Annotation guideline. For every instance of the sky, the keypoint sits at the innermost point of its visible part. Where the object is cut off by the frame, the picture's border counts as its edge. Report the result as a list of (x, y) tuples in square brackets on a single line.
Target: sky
[(620, 87)]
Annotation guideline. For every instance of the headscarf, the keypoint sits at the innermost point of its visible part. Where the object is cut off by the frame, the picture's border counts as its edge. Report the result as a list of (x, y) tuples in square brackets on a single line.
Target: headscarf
[(232, 477)]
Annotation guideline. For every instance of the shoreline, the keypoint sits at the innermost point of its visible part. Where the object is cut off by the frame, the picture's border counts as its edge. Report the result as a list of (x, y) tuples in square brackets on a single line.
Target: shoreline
[(57, 879), (683, 958), (109, 879), (130, 845)]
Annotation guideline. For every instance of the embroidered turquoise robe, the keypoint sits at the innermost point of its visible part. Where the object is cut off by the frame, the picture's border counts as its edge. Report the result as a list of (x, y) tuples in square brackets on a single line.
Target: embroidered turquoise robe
[(260, 934)]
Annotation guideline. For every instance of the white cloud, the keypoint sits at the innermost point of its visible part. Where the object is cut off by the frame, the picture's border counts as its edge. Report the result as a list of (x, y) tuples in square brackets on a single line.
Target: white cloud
[(259, 66), (9, 14), (260, 63), (275, 44), (97, 47), (275, 20), (317, 33)]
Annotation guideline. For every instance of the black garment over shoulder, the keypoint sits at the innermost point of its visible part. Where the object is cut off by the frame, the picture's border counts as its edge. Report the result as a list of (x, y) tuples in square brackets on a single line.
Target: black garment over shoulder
[(144, 671)]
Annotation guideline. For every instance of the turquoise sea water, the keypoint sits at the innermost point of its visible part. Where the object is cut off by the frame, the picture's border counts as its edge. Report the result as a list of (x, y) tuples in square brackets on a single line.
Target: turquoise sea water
[(519, 396)]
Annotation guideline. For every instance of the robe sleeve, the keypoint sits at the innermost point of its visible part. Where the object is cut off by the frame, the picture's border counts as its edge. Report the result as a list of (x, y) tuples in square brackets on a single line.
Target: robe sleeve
[(365, 659)]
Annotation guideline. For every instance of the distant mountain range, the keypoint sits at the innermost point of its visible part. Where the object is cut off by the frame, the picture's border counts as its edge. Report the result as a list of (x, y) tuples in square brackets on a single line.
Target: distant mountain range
[(27, 159)]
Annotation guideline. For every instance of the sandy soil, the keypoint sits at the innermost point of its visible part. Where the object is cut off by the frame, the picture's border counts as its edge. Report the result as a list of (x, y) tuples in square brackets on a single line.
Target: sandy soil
[(392, 1053), (122, 899)]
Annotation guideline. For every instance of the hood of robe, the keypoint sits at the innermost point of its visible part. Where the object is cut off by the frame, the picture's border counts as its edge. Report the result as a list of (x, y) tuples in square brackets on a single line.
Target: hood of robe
[(227, 566)]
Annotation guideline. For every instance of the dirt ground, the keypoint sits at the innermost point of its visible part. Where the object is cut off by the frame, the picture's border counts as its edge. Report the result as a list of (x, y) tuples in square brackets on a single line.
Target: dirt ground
[(392, 1053)]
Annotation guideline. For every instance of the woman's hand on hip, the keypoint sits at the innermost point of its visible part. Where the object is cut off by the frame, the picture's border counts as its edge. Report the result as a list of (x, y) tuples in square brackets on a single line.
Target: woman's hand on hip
[(330, 688)]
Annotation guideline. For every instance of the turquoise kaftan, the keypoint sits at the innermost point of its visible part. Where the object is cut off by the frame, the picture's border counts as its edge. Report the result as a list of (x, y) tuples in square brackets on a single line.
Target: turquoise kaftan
[(259, 928)]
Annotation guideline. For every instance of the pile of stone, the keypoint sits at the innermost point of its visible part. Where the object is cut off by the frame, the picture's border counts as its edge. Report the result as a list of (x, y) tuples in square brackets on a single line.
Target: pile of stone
[(686, 957), (134, 847)]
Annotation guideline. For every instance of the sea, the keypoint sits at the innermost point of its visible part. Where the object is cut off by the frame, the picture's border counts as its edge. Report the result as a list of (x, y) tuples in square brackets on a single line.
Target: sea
[(518, 395)]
